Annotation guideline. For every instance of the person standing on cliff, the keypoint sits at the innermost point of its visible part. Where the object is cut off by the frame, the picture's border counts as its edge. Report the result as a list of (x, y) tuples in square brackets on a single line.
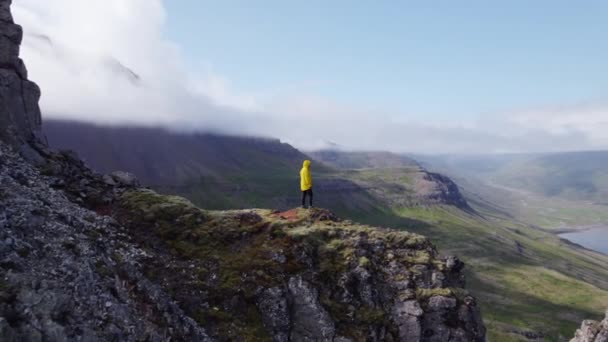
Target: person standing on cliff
[(306, 183)]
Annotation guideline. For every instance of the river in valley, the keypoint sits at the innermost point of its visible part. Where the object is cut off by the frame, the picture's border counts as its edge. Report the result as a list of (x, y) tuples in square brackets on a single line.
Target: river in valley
[(595, 239)]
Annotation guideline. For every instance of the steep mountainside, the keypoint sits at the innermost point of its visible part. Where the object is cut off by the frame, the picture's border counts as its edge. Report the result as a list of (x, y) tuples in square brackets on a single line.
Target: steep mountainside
[(67, 273), (161, 157)]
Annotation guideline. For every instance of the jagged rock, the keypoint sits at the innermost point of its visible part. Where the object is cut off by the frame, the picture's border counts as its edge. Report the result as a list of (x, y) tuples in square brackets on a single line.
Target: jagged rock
[(274, 310), (592, 331), (125, 178), (310, 320), (67, 273), (442, 190), (20, 118)]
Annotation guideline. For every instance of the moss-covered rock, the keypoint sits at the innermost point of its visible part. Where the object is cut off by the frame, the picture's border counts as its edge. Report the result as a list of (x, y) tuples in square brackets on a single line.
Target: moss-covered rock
[(303, 274)]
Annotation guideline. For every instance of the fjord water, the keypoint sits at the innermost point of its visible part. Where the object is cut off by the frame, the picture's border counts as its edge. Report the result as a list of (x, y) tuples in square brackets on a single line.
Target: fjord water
[(595, 239)]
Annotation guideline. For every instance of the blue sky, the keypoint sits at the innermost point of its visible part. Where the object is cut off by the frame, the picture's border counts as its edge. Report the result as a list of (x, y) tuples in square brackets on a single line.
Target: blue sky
[(447, 59), (404, 76)]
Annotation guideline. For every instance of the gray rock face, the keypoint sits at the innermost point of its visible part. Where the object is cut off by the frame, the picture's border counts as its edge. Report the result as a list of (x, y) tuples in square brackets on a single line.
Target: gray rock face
[(310, 320), (592, 331), (68, 274), (124, 178), (20, 119), (274, 310)]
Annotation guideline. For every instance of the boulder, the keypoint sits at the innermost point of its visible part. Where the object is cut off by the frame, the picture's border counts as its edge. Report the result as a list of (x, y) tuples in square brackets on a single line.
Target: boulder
[(592, 331)]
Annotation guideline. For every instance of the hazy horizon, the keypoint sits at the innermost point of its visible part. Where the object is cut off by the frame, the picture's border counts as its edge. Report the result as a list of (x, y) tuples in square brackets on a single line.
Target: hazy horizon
[(414, 78)]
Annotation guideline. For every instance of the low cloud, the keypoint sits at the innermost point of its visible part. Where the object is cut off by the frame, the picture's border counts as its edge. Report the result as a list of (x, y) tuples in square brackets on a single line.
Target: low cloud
[(108, 62)]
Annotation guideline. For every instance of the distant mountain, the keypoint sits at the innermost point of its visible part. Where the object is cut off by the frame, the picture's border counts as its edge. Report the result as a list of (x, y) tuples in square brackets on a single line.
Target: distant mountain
[(159, 157), (553, 191), (571, 175), (362, 160)]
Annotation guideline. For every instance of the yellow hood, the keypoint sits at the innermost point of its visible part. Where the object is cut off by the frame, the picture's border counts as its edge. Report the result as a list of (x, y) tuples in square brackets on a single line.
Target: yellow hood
[(306, 163)]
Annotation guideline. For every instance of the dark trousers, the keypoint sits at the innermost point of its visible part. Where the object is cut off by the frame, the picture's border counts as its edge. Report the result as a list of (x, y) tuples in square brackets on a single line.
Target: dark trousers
[(306, 193)]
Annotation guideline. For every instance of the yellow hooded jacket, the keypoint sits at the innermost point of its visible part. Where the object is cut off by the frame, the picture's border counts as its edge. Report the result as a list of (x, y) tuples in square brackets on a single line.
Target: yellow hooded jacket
[(305, 178)]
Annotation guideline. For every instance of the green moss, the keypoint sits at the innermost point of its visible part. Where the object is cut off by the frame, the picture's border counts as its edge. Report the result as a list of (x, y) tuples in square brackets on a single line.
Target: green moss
[(367, 315), (419, 257), (424, 294), (364, 262)]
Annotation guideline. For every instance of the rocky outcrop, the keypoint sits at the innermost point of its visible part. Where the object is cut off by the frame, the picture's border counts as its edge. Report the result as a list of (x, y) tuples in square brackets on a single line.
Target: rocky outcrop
[(20, 119), (301, 275), (67, 273), (592, 331), (440, 189)]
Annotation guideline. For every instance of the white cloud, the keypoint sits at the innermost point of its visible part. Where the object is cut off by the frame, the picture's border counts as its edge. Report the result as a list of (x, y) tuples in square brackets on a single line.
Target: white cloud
[(84, 53)]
